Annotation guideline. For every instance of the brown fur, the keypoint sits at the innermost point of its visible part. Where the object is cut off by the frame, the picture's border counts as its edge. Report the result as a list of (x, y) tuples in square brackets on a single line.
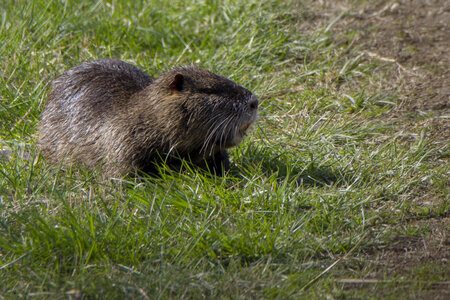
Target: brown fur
[(112, 113)]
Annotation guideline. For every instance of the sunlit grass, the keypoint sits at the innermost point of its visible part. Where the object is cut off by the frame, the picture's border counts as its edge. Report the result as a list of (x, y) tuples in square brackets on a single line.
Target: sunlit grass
[(321, 170)]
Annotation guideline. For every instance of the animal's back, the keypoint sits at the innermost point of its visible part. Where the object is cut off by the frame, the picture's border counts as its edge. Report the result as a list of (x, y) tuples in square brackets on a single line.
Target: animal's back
[(82, 105), (98, 86)]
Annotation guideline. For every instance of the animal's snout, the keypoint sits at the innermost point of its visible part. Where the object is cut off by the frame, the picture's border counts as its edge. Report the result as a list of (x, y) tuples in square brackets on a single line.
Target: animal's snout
[(253, 102)]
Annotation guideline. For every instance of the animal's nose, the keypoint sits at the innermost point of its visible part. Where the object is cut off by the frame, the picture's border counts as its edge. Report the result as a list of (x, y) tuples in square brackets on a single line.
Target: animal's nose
[(253, 102)]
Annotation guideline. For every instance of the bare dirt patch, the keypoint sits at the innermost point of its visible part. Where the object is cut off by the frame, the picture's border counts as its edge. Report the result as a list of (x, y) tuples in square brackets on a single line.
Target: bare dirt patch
[(412, 39), (415, 37), (406, 252), (410, 260)]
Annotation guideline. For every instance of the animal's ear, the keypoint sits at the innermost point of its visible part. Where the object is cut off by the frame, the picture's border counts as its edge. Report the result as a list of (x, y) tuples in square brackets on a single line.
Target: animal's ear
[(177, 82)]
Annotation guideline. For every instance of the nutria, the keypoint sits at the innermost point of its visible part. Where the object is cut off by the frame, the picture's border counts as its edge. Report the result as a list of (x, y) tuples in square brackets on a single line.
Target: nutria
[(112, 113)]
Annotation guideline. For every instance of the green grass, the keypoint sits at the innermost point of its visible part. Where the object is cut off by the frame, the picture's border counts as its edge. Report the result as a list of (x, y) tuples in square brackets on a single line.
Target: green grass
[(324, 170)]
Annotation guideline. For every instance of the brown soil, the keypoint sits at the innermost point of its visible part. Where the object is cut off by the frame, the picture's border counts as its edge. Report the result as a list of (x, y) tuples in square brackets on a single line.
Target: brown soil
[(407, 262), (407, 252), (415, 37), (412, 39)]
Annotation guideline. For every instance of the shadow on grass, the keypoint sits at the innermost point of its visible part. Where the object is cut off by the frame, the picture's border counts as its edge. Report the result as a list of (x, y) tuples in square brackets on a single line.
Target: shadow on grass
[(306, 170)]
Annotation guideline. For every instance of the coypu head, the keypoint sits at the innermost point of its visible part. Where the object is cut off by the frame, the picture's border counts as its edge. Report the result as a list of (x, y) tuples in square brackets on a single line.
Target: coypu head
[(212, 111)]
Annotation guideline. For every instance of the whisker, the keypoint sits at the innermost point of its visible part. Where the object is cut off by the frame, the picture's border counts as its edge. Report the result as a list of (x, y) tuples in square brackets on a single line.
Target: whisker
[(214, 127)]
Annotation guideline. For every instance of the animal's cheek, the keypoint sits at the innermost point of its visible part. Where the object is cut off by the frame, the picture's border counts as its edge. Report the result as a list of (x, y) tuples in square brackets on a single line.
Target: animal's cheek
[(186, 119), (183, 108), (213, 100)]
